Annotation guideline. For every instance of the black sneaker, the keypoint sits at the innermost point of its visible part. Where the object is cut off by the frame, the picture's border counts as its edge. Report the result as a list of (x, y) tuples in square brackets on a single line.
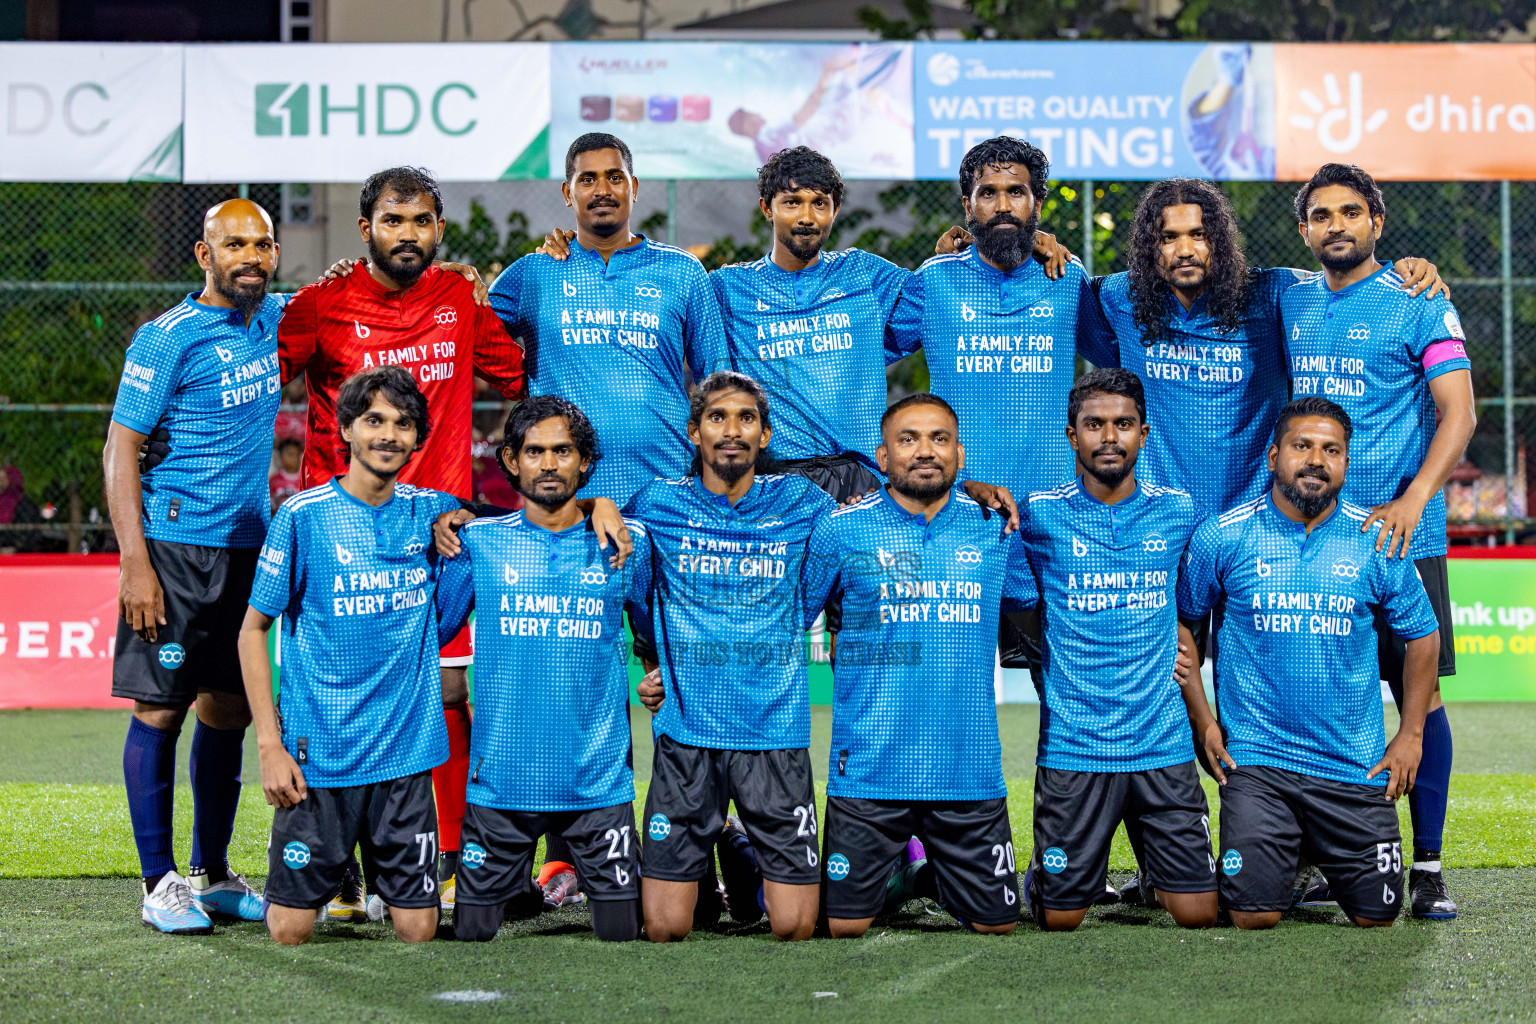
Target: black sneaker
[(1134, 894), (1315, 891), (1429, 898)]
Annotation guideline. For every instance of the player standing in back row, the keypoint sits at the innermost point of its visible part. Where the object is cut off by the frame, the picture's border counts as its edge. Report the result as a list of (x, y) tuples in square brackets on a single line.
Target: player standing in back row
[(1395, 365), (206, 371)]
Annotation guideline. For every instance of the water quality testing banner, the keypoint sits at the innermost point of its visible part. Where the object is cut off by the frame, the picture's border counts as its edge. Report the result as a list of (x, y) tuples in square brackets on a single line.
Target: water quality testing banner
[(339, 112), (1101, 110), (720, 110), (90, 112)]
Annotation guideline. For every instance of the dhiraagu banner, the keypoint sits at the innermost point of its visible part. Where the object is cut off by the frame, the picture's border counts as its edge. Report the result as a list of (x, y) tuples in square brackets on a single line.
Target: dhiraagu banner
[(339, 112), (1493, 601)]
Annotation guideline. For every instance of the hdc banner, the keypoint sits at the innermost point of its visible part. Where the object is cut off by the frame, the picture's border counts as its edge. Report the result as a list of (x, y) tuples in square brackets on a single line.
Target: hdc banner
[(90, 112), (1431, 111), (720, 110), (467, 111), (1101, 110)]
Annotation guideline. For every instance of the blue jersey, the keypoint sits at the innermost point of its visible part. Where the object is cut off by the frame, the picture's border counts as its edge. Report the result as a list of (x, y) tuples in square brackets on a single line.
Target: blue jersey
[(361, 694), (1212, 397), (215, 384), (614, 339), (914, 713), (1296, 651), (726, 604), (1107, 575), (1373, 349), (815, 338), (551, 684), (1002, 350)]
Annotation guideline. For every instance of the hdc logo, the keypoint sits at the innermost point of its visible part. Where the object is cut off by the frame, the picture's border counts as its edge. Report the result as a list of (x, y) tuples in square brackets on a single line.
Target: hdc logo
[(286, 109)]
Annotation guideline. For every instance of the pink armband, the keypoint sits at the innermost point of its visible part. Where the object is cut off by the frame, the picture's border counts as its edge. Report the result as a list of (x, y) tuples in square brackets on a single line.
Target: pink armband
[(1442, 351)]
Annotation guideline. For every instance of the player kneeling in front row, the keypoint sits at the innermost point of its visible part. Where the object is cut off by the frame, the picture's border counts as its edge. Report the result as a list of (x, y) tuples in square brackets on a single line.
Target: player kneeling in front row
[(922, 572), (551, 641), (351, 569), (1114, 735), (1300, 698)]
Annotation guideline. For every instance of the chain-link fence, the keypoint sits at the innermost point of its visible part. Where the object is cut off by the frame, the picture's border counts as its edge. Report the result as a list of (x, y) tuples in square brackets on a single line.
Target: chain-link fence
[(81, 266)]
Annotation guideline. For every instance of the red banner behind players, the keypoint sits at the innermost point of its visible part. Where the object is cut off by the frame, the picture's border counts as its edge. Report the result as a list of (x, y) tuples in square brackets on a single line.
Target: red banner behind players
[(58, 625)]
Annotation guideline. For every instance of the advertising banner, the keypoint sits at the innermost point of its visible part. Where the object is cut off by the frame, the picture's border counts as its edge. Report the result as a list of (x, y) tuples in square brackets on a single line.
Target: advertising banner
[(720, 110), (58, 625), (1493, 603), (1430, 111), (90, 112), (1101, 110), (319, 113)]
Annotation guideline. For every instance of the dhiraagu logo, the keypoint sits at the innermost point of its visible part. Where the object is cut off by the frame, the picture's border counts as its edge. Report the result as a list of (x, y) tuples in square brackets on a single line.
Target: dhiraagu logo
[(361, 109)]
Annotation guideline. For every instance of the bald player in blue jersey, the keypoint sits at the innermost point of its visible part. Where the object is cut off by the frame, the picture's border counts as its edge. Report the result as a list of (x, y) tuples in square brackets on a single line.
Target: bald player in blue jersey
[(1400, 369), (351, 569), (1114, 734), (205, 376), (1300, 752), (614, 328)]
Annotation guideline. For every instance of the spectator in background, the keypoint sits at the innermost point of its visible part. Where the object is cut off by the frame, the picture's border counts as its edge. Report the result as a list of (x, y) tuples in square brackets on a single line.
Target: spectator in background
[(489, 483), (284, 480), (15, 507), (293, 414)]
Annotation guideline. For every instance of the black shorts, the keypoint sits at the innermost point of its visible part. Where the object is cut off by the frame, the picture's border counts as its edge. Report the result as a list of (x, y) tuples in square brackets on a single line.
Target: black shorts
[(1076, 814), (1270, 817), (969, 845), (396, 824), (206, 594), (497, 847), (1392, 649), (685, 811), (843, 476)]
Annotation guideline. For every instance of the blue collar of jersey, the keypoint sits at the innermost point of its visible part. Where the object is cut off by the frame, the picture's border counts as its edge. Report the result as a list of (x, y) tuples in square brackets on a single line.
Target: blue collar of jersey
[(942, 516), (1125, 502), (1287, 523), (719, 501), (639, 249), (335, 484), (813, 270), (229, 316), (1357, 286)]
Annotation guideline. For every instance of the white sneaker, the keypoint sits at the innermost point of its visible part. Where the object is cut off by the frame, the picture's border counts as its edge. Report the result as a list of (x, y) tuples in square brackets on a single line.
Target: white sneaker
[(232, 898), (377, 910), (172, 909)]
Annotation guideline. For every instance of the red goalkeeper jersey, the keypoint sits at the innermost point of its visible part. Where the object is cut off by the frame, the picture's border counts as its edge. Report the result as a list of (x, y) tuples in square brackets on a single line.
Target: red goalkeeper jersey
[(334, 328)]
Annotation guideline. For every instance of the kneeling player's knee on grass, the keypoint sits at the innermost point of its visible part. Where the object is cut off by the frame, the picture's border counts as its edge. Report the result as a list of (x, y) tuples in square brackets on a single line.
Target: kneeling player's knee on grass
[(1251, 920), (848, 928), (1372, 922), (1063, 920), (289, 926), (477, 924), (615, 920), (1190, 909), (996, 929), (413, 924)]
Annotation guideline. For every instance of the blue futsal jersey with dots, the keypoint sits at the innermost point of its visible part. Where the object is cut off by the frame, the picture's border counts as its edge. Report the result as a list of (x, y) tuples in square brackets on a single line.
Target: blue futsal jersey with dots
[(1373, 349), (215, 384), (1001, 349), (614, 338), (551, 678), (1212, 396), (1296, 651), (914, 713), (815, 338), (726, 602), (1107, 575), (355, 586)]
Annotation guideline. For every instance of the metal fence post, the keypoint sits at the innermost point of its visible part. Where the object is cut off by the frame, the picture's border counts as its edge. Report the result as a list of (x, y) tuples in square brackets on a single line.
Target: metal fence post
[(1507, 288), (671, 211), (1088, 226)]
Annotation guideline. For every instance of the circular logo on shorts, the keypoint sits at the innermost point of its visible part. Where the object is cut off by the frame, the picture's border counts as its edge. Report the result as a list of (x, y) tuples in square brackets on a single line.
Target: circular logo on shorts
[(837, 867), (660, 827), (173, 656), (472, 856), (296, 854), (1054, 860), (1231, 862)]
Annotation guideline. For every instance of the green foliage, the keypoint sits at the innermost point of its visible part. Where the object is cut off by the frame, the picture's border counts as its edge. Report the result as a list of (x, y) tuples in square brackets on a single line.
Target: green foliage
[(479, 243)]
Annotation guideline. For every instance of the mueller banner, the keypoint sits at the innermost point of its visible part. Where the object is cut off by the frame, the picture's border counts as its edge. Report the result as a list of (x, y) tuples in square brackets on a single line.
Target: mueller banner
[(315, 113), (1101, 110), (1429, 111), (720, 110), (90, 112)]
